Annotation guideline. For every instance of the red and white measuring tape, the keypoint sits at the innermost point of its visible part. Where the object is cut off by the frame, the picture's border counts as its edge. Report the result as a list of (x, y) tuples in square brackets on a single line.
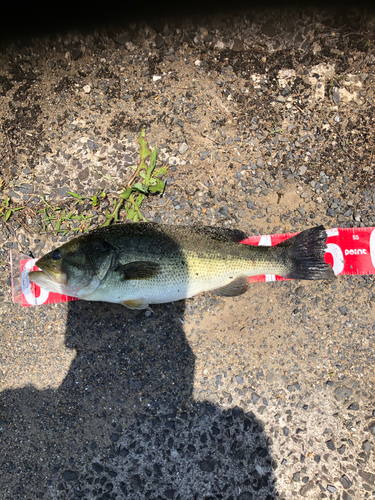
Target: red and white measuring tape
[(349, 251)]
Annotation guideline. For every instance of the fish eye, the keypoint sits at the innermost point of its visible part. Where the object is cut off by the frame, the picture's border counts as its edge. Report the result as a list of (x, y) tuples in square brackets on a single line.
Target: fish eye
[(56, 255)]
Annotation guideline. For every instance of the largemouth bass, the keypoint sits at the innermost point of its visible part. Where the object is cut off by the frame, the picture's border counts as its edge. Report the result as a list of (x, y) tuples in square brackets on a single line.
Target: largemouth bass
[(138, 264)]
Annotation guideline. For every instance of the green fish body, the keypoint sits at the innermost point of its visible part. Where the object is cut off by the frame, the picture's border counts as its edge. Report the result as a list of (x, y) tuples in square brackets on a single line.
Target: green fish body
[(138, 264)]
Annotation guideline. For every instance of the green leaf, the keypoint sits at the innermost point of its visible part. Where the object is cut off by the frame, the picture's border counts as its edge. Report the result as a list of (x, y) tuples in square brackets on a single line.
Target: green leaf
[(135, 218), (139, 200), (139, 187), (9, 213), (58, 224), (130, 214), (142, 166), (145, 152), (160, 171), (125, 195), (16, 209), (75, 195), (158, 187), (153, 159)]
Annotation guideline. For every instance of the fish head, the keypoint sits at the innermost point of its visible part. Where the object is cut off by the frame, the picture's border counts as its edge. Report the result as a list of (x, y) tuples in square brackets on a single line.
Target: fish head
[(74, 267)]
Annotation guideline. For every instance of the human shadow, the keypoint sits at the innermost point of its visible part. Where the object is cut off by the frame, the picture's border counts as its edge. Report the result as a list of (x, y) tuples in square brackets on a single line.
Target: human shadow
[(123, 424)]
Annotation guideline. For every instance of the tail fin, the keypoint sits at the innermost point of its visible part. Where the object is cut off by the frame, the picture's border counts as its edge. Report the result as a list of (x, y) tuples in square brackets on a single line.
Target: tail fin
[(305, 255)]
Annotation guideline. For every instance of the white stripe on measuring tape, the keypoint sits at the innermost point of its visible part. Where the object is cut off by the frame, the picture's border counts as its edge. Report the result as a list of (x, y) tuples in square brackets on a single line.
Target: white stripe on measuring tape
[(372, 247), (332, 232), (338, 257), (265, 241), (26, 286), (270, 277)]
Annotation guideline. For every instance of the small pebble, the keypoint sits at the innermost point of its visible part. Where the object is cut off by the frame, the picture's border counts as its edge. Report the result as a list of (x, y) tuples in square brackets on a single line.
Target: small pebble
[(92, 145), (296, 477), (366, 446), (354, 407), (345, 481), (330, 445), (159, 41), (76, 54)]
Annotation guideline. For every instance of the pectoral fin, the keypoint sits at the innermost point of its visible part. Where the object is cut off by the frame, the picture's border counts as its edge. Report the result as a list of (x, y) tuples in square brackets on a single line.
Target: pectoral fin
[(138, 270), (236, 287), (135, 304)]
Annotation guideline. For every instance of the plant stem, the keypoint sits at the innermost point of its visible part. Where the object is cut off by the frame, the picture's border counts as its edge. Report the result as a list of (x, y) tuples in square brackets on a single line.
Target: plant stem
[(114, 215), (139, 168)]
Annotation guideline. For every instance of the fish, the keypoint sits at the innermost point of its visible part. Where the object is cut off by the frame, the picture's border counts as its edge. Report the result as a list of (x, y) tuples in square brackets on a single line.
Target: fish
[(138, 264)]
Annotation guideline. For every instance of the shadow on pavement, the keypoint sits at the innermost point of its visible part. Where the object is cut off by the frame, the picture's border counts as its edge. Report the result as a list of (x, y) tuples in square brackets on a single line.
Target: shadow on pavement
[(123, 423)]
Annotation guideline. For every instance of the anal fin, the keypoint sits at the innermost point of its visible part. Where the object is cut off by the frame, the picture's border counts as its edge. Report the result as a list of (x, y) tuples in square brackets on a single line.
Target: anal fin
[(236, 287), (135, 304)]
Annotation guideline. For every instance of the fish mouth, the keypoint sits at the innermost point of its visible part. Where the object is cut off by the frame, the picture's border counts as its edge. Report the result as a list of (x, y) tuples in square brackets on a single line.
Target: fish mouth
[(47, 276)]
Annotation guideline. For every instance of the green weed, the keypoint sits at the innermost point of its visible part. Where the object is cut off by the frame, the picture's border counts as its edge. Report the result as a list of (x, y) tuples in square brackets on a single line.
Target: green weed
[(274, 129), (56, 217), (148, 182), (6, 210), (94, 199), (107, 177), (145, 181)]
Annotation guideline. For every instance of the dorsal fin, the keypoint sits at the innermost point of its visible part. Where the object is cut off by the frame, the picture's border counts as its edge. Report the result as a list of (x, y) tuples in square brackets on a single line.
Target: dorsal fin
[(222, 233)]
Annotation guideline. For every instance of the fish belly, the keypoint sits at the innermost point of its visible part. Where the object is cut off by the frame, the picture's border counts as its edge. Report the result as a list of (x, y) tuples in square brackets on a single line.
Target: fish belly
[(171, 284)]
